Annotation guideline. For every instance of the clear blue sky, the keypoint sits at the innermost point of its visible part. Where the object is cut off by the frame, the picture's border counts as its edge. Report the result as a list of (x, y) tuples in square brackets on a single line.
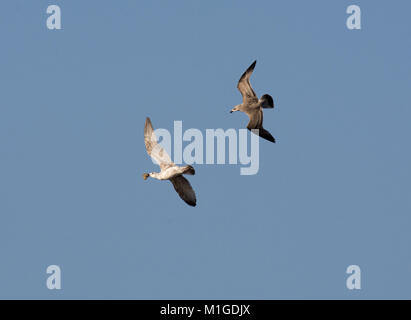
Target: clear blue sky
[(334, 191)]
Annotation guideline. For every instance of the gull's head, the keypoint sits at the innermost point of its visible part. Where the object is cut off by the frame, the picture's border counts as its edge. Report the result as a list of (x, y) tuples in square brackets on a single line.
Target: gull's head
[(235, 109), (145, 176)]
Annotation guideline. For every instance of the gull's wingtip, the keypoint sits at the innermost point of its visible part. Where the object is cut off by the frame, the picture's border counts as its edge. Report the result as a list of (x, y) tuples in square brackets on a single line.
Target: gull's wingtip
[(148, 127), (253, 64), (148, 122), (251, 67), (192, 204)]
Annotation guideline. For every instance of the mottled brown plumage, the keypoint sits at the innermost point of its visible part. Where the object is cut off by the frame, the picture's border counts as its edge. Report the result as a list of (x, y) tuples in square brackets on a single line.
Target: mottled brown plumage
[(252, 106)]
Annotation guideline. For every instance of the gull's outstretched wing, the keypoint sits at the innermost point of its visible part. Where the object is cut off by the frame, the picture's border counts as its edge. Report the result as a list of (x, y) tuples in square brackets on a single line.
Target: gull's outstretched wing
[(245, 87), (184, 190), (256, 122), (154, 150)]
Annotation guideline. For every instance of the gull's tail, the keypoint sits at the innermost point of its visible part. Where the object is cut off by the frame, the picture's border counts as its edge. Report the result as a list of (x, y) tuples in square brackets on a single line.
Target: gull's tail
[(266, 101)]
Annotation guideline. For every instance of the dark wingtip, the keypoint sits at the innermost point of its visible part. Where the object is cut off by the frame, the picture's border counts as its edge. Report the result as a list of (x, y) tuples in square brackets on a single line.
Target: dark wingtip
[(248, 71), (252, 65), (268, 137), (262, 133), (191, 204)]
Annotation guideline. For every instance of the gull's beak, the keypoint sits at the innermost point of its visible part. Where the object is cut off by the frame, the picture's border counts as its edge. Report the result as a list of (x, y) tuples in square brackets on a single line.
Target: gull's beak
[(145, 176), (231, 111)]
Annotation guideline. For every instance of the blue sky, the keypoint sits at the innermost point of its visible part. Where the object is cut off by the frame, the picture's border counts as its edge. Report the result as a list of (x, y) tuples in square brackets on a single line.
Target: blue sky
[(334, 191)]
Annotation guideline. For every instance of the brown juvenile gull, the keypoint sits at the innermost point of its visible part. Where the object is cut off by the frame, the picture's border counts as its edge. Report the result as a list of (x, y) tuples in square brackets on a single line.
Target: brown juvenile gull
[(253, 106), (169, 170)]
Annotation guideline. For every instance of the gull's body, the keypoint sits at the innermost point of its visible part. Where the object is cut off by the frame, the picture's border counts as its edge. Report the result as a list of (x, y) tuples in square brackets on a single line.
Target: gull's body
[(169, 170), (252, 106)]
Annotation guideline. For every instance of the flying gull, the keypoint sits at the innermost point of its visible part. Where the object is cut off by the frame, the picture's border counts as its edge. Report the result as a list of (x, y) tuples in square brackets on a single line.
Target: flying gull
[(169, 170), (253, 106)]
